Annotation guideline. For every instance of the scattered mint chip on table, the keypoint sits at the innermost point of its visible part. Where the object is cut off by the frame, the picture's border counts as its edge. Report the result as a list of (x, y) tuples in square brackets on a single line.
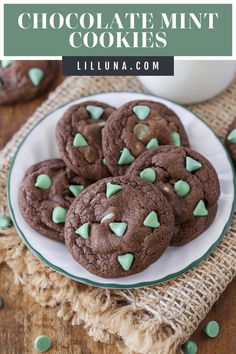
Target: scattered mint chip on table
[(190, 347), (42, 343), (5, 222), (212, 329)]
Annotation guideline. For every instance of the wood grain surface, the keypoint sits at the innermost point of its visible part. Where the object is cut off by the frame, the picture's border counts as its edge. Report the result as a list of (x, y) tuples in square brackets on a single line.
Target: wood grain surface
[(22, 320)]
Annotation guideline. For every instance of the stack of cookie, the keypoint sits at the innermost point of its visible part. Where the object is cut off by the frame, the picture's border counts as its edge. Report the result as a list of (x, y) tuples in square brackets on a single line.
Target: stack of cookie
[(128, 185)]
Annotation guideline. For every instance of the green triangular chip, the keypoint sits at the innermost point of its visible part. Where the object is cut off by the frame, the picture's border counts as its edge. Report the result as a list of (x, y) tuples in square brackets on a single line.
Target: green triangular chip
[(152, 220), (200, 209), (79, 141), (5, 63), (126, 158), (118, 228), (126, 260), (76, 189), (36, 75), (153, 143), (175, 137), (83, 231), (148, 175), (95, 111), (191, 164), (141, 111), (232, 137), (112, 189)]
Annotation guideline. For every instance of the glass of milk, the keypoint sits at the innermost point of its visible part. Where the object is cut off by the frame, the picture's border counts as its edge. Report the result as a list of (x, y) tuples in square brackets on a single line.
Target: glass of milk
[(193, 80)]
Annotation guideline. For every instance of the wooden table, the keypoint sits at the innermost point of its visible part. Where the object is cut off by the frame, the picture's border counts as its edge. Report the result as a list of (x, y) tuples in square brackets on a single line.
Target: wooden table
[(21, 319)]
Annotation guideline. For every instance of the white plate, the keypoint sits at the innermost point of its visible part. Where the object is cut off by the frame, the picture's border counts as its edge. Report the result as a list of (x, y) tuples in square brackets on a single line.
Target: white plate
[(40, 144)]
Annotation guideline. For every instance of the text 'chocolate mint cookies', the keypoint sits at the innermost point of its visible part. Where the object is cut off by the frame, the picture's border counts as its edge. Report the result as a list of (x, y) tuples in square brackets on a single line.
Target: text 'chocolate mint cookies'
[(22, 80), (79, 138), (188, 181), (45, 195), (118, 227), (230, 140), (136, 127)]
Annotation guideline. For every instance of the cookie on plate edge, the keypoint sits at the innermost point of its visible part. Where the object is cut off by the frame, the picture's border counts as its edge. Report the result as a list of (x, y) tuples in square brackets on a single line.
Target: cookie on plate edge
[(46, 193), (118, 227)]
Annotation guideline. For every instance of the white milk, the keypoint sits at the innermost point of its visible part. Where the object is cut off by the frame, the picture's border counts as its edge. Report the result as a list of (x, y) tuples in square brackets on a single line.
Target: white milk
[(193, 80)]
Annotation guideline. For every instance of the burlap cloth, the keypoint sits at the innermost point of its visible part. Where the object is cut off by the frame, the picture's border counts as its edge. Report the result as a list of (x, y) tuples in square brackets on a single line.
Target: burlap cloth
[(156, 319)]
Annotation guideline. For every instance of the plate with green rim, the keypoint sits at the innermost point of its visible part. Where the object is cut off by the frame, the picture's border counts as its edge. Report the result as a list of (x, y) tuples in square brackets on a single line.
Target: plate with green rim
[(40, 144)]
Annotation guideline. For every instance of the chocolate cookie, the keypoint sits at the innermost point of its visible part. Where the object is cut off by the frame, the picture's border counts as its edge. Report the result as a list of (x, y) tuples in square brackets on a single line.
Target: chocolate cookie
[(118, 227), (22, 80), (46, 193), (195, 226), (138, 126), (230, 140), (188, 181), (79, 138)]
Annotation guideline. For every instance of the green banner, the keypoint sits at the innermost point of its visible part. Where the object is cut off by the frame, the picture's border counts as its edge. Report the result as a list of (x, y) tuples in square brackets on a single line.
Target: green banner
[(117, 30)]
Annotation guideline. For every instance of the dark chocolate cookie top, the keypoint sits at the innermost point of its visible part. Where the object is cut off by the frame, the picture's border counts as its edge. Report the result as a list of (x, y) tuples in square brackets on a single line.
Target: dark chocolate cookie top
[(22, 80), (79, 138), (187, 231), (230, 140), (45, 195), (185, 177), (118, 227), (138, 126)]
